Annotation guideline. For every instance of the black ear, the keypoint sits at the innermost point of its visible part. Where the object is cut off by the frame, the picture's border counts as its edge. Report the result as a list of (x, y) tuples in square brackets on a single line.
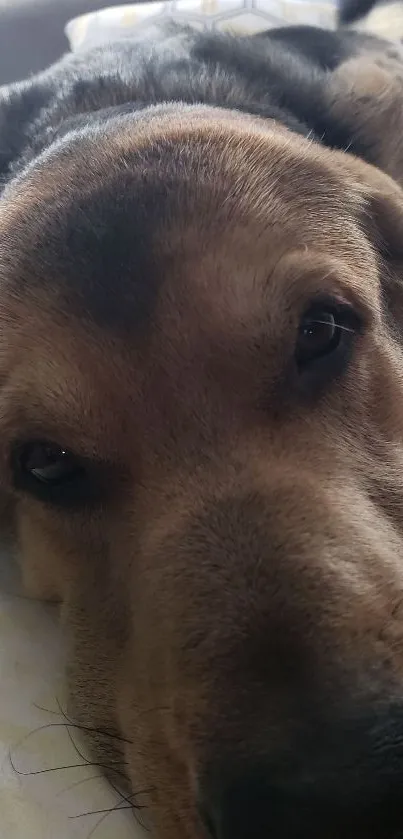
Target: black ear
[(352, 10), (20, 106), (323, 48)]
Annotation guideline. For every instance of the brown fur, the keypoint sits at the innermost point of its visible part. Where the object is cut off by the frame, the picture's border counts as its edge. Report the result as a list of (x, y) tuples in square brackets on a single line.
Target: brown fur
[(246, 552), (368, 92)]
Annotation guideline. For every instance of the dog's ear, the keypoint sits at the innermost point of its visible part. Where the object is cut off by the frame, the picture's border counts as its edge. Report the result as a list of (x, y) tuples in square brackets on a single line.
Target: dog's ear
[(20, 106), (381, 219), (366, 93), (352, 10), (385, 218)]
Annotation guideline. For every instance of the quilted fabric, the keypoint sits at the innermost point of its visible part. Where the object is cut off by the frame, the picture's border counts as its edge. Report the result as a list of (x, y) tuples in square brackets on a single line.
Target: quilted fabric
[(240, 16)]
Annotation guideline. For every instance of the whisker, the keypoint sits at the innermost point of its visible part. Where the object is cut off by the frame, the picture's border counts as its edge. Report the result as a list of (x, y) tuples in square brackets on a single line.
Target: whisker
[(90, 729), (74, 744), (46, 710), (104, 817), (94, 765), (83, 756), (326, 323), (125, 800), (134, 808), (65, 725), (44, 771), (98, 824), (107, 810), (78, 784)]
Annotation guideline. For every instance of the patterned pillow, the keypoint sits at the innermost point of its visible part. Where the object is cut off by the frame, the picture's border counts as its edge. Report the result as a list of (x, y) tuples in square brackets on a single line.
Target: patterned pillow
[(240, 16)]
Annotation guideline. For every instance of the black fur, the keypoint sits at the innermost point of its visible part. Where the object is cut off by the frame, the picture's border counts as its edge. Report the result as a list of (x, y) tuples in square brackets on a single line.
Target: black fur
[(352, 10), (282, 74)]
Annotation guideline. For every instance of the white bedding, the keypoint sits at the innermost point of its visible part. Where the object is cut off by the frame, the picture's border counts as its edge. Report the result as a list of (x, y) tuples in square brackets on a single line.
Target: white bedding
[(34, 737), (238, 16)]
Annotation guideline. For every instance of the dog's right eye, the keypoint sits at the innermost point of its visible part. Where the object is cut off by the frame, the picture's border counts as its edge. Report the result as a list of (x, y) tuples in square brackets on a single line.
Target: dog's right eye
[(48, 470), (48, 463), (325, 336), (319, 335)]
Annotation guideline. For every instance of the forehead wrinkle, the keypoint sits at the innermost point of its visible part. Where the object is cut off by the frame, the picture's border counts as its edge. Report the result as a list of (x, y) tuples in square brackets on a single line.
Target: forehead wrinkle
[(67, 383)]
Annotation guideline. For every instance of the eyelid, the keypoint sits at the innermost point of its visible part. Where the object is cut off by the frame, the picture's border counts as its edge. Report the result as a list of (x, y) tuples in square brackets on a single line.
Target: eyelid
[(338, 306)]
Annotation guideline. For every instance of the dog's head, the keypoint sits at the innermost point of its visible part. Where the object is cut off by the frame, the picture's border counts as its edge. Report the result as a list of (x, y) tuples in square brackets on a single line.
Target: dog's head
[(201, 429)]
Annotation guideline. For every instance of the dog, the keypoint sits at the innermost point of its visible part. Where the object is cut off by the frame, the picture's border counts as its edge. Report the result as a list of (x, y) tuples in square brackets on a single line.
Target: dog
[(201, 414)]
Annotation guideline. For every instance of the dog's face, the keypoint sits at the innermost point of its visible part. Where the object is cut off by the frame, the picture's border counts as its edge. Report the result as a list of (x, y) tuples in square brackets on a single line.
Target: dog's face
[(201, 429)]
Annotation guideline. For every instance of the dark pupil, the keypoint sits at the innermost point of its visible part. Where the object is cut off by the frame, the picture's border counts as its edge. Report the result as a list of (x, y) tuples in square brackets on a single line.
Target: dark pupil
[(48, 464), (318, 336)]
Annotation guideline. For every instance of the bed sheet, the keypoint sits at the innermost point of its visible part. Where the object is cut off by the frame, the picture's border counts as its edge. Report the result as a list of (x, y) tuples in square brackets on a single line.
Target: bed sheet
[(48, 788)]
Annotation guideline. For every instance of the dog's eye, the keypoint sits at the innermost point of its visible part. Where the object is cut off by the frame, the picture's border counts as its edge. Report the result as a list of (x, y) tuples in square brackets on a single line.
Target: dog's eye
[(322, 332), (49, 472), (48, 463), (318, 335), (54, 475)]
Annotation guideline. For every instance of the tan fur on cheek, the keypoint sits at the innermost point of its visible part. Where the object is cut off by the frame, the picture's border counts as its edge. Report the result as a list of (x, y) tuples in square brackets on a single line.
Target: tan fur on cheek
[(45, 573)]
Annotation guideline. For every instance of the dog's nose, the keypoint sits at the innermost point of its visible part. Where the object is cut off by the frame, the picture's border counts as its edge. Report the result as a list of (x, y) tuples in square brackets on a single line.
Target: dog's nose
[(258, 805), (251, 808)]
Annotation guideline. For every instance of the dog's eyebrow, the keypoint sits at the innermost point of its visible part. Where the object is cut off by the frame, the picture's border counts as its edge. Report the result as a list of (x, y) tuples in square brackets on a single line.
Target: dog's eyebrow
[(103, 254), (95, 251)]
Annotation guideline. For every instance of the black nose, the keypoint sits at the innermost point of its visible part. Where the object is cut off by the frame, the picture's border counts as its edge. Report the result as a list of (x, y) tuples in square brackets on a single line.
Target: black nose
[(252, 808), (337, 788)]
